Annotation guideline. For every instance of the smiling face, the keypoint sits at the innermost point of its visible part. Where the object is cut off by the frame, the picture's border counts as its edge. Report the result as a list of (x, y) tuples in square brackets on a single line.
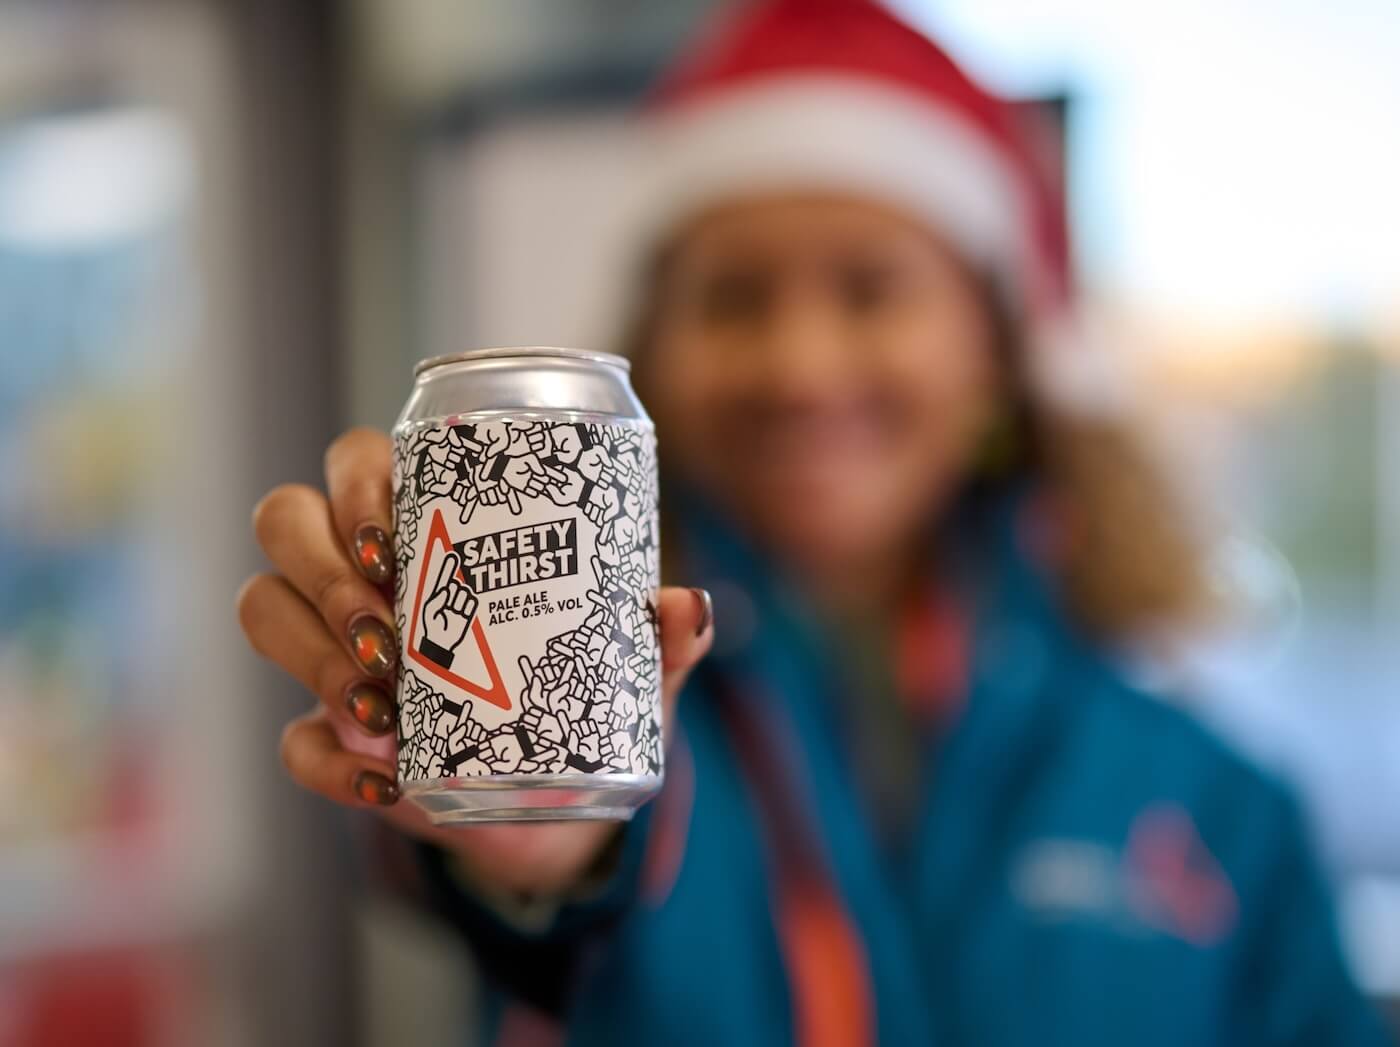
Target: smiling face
[(825, 370)]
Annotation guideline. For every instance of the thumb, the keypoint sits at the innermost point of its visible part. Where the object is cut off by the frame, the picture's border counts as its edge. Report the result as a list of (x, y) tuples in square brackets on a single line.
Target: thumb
[(686, 619)]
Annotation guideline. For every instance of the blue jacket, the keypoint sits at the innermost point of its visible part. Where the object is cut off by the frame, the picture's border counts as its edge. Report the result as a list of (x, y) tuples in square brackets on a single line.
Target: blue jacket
[(1086, 864)]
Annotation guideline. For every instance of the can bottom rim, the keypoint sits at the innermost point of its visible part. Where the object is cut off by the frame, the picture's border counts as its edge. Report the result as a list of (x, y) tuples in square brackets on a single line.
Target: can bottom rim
[(539, 798), (532, 814)]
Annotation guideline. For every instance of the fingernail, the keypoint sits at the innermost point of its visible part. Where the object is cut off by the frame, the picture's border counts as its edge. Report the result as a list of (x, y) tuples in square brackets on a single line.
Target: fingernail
[(372, 787), (707, 610), (370, 707), (373, 645), (372, 551)]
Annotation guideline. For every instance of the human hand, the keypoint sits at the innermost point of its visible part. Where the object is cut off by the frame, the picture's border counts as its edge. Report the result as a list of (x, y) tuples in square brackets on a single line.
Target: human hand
[(323, 614)]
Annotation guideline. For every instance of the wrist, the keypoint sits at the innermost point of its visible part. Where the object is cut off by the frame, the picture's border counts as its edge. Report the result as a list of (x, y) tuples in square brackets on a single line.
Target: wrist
[(439, 656)]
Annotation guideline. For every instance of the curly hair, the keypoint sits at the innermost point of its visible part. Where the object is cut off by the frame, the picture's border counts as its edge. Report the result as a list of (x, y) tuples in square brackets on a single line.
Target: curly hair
[(1131, 555), (1133, 560)]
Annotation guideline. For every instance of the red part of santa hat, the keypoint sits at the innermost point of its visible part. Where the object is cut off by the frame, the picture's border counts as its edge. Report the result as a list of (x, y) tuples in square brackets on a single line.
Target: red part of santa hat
[(841, 94)]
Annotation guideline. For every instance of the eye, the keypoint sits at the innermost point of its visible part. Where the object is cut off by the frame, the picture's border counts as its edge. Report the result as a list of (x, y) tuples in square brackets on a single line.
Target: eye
[(865, 287), (733, 296)]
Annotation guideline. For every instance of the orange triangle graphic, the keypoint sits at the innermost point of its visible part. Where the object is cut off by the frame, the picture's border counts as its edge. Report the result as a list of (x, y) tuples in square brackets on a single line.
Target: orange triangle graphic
[(495, 692)]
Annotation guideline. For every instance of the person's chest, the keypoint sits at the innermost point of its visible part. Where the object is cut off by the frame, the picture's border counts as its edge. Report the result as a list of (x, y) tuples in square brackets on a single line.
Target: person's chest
[(1018, 915)]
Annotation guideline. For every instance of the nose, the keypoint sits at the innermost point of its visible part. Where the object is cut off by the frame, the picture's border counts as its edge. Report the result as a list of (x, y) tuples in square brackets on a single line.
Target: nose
[(805, 350)]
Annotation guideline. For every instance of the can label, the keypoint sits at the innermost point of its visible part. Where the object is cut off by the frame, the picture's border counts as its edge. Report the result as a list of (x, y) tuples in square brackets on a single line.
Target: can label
[(528, 565)]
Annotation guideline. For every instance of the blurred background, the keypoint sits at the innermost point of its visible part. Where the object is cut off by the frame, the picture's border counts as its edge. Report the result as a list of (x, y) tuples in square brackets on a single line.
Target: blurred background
[(227, 229)]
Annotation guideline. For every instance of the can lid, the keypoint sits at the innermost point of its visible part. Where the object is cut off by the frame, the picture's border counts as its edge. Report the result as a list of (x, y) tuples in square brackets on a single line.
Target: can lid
[(510, 351)]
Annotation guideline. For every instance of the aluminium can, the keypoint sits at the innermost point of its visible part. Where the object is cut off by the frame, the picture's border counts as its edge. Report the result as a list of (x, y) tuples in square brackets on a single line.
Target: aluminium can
[(528, 559)]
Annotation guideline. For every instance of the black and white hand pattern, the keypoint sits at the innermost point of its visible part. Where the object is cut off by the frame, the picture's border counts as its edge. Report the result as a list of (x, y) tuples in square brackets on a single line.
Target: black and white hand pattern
[(590, 699), (447, 614)]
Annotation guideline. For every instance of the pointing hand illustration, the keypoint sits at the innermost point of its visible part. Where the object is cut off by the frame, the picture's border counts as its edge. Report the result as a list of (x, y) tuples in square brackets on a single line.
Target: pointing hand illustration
[(447, 614)]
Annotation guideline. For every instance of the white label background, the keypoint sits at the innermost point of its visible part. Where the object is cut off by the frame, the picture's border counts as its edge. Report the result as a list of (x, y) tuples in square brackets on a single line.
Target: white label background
[(581, 683)]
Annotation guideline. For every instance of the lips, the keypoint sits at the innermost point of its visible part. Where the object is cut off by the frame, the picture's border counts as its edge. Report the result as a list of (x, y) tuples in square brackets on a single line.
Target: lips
[(821, 442)]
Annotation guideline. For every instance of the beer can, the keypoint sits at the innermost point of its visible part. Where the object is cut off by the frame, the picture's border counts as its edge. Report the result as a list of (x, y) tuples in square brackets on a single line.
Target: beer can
[(527, 547)]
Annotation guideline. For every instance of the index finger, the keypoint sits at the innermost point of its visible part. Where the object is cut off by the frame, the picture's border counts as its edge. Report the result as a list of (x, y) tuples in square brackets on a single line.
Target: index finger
[(686, 620), (358, 464), (447, 572)]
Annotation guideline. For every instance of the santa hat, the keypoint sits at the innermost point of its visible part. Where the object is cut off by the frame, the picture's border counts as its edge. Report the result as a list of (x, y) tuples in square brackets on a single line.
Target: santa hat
[(842, 95)]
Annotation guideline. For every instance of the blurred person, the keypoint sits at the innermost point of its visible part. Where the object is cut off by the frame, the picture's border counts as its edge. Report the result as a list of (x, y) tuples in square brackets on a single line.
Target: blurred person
[(910, 795)]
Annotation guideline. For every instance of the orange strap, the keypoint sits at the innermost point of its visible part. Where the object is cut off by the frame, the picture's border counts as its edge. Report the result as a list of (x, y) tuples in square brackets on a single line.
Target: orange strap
[(827, 968), (932, 650)]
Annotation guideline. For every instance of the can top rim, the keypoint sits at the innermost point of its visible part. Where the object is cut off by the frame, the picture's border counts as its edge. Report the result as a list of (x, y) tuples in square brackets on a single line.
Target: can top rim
[(508, 351)]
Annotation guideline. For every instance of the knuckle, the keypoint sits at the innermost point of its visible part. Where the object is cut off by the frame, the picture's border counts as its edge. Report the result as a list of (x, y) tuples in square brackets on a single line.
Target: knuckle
[(273, 509), (336, 449), (245, 601), (330, 676), (363, 497), (299, 753), (289, 751), (352, 443), (334, 593), (252, 602)]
